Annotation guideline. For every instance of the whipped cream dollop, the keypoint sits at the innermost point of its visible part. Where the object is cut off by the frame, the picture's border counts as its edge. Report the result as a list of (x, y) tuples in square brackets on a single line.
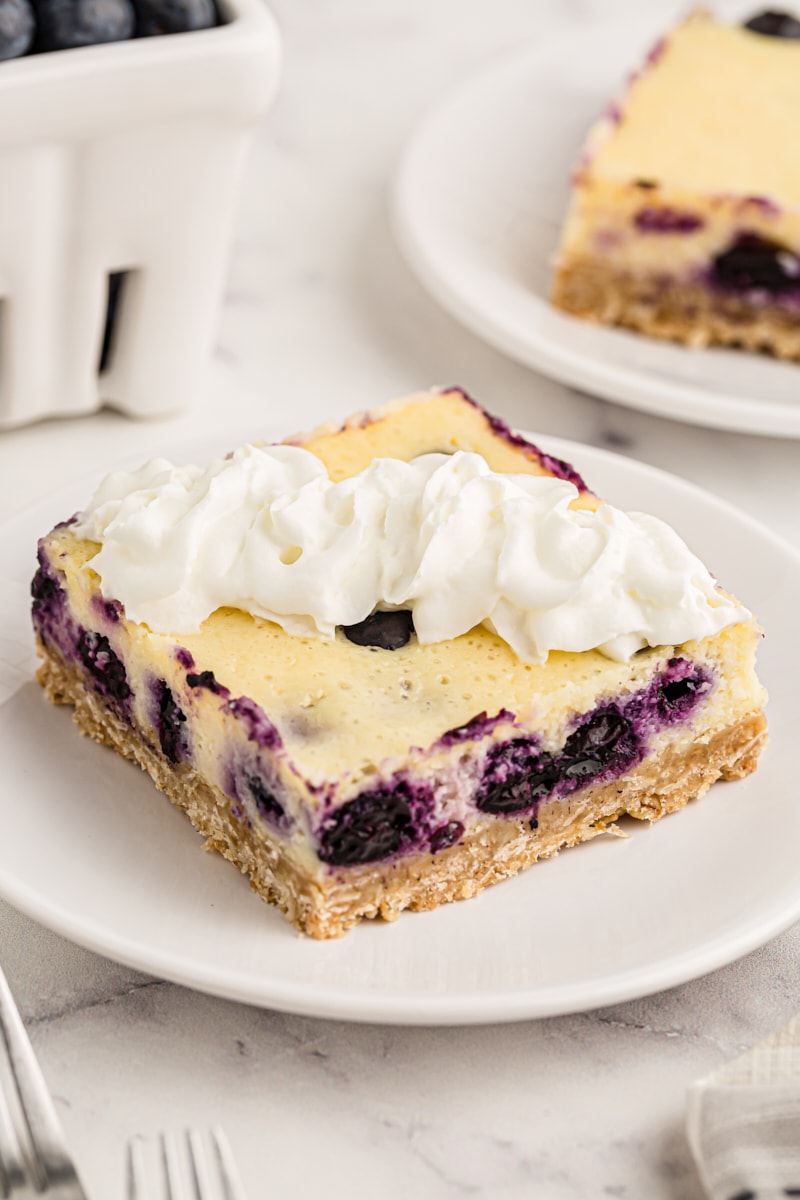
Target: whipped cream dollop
[(267, 531)]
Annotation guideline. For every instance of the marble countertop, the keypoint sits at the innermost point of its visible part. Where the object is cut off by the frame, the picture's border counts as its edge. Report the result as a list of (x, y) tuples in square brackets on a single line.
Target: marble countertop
[(322, 317)]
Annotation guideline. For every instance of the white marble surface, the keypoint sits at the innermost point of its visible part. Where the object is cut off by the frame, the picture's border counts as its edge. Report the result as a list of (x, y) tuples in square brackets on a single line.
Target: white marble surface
[(321, 317)]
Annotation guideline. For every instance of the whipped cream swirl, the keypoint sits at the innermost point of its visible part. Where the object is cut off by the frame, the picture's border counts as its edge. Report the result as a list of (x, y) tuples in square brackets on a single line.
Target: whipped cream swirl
[(266, 530)]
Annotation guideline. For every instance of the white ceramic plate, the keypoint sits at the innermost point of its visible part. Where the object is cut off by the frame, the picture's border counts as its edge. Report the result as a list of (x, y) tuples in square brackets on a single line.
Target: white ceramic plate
[(92, 850), (478, 205)]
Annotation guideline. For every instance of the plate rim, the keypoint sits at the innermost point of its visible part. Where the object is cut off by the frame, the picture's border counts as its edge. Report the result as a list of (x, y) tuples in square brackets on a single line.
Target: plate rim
[(396, 1007), (616, 382)]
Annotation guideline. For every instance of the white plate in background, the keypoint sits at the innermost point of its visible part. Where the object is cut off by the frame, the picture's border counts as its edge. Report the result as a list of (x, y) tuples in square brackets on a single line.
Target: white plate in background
[(90, 849), (478, 204)]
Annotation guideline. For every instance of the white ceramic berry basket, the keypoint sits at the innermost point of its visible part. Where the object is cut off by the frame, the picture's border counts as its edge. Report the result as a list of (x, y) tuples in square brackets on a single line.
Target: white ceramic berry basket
[(123, 157)]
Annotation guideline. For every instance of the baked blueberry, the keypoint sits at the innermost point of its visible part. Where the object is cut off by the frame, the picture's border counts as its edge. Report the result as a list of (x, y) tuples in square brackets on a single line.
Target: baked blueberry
[(171, 724), (515, 775), (446, 835), (382, 630), (756, 262), (366, 829), (773, 23), (105, 667), (267, 804)]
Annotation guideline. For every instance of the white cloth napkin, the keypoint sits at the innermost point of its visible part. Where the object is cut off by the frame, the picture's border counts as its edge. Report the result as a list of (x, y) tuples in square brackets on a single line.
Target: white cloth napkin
[(743, 1122)]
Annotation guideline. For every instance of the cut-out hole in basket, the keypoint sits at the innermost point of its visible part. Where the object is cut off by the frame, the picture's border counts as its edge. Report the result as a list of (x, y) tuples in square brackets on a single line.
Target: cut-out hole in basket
[(117, 284)]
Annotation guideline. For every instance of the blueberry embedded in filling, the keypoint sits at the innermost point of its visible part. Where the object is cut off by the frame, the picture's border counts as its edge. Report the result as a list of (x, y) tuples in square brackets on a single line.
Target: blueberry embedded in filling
[(382, 630), (104, 666), (679, 690), (446, 835), (266, 802), (772, 23), (518, 775), (108, 610), (206, 679), (372, 826), (515, 775), (46, 591), (590, 748), (754, 262), (170, 724), (663, 219)]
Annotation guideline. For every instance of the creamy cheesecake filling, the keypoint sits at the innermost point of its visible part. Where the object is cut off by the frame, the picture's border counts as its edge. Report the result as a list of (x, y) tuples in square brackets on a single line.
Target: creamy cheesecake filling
[(409, 811), (684, 220)]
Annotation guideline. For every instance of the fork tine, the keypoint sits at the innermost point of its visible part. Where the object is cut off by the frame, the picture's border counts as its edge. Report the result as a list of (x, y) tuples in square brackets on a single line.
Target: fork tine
[(50, 1163), (228, 1171), (12, 1166), (201, 1167)]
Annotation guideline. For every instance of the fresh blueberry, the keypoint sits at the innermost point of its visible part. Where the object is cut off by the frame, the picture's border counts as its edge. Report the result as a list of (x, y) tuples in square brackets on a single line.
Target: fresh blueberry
[(383, 630), (65, 24), (773, 23), (17, 28), (173, 16), (366, 829), (756, 262)]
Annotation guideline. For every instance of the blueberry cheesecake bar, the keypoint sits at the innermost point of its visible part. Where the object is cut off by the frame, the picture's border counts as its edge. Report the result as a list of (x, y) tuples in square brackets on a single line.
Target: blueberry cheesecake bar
[(388, 663), (684, 221)]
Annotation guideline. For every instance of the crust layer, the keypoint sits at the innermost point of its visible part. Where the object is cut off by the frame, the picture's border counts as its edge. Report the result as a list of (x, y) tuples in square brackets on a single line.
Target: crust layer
[(326, 903), (688, 313)]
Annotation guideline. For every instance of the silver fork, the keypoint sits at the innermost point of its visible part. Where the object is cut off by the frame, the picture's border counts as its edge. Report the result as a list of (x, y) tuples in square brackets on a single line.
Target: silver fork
[(194, 1167), (33, 1153)]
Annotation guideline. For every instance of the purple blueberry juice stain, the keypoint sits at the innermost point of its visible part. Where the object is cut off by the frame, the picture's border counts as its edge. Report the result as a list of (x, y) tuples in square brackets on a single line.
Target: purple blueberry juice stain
[(169, 721), (476, 728), (556, 466), (655, 218), (258, 725), (184, 658), (763, 204), (108, 610)]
